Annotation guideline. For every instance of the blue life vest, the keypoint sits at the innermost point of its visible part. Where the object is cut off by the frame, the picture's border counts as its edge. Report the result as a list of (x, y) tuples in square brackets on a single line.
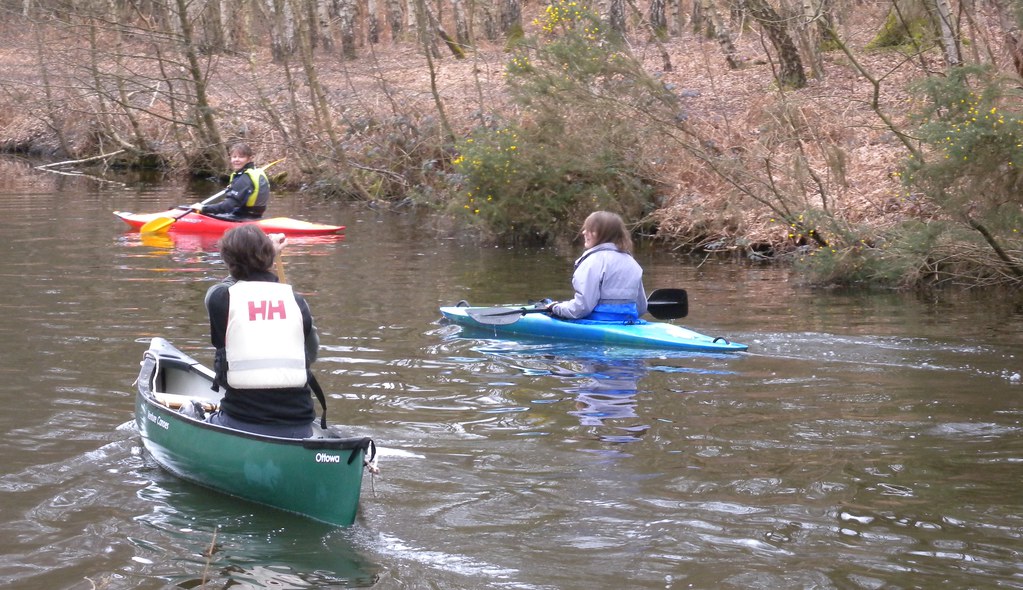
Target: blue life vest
[(614, 312)]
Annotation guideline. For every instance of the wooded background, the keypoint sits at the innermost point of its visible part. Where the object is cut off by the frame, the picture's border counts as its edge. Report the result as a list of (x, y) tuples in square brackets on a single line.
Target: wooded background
[(753, 126)]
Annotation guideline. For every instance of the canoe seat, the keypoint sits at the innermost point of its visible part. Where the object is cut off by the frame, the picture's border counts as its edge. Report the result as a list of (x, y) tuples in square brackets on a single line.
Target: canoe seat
[(174, 401)]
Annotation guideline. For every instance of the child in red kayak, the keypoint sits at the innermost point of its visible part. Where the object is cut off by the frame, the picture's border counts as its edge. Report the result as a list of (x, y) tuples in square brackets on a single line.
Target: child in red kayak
[(248, 193)]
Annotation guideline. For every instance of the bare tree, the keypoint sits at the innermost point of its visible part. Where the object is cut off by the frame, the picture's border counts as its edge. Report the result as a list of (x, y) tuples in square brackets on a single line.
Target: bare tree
[(347, 13), (1007, 14), (206, 125), (462, 24), (281, 18), (790, 72), (949, 37), (658, 19), (711, 18), (511, 17), (393, 10), (372, 21)]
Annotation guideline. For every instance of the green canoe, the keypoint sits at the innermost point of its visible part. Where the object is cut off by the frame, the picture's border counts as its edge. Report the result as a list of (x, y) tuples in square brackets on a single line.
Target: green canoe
[(318, 477)]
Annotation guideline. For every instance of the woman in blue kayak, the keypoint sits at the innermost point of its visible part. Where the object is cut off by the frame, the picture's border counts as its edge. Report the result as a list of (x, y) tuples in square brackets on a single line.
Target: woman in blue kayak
[(265, 341), (248, 192), (608, 281)]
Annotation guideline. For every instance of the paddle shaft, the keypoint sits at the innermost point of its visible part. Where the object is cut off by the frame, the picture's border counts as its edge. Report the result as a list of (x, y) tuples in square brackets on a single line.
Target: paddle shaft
[(279, 264), (663, 304)]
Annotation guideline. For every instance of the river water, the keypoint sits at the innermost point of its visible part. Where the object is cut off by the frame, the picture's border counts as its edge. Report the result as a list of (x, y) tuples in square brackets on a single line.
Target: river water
[(865, 441)]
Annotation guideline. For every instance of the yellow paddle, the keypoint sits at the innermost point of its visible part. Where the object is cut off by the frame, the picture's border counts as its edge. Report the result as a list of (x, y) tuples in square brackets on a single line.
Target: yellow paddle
[(162, 223)]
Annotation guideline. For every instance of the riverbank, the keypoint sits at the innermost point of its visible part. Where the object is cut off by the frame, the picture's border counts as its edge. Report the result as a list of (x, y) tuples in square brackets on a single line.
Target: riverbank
[(745, 169)]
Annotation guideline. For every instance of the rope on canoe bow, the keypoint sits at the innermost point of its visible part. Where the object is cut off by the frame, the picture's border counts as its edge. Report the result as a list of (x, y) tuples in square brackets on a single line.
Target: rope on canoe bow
[(370, 461)]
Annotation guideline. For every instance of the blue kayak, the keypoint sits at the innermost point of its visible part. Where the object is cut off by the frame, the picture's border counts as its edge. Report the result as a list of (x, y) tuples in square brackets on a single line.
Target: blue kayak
[(639, 334)]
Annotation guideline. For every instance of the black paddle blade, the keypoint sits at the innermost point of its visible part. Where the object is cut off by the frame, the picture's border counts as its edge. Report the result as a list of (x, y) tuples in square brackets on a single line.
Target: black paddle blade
[(668, 304)]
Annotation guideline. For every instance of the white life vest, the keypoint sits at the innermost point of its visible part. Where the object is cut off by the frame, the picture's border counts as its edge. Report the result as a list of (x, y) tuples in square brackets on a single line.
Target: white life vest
[(265, 341)]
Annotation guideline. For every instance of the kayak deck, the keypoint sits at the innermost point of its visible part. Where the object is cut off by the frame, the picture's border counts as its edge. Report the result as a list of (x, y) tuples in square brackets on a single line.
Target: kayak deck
[(639, 334), (197, 223)]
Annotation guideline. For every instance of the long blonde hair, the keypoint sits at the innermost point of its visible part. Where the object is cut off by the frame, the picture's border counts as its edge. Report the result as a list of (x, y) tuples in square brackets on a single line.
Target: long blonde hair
[(609, 227)]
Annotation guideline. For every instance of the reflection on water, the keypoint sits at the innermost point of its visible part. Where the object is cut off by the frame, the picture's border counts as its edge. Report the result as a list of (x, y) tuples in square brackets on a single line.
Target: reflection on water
[(230, 543), (602, 382), (866, 441), (607, 397)]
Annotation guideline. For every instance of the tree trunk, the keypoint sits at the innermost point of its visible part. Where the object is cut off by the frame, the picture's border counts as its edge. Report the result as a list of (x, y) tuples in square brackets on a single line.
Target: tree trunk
[(511, 18), (808, 34), (411, 9), (214, 155), (233, 24), (372, 22), (488, 19), (282, 28), (394, 22), (1011, 32), (461, 22), (698, 20), (907, 23), (676, 18), (716, 23), (655, 36), (948, 28), (347, 17), (790, 72), (658, 19), (208, 17), (324, 23), (322, 112), (616, 17), (425, 21)]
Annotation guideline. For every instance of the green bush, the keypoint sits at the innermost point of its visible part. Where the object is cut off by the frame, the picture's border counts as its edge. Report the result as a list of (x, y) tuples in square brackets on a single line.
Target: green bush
[(902, 257), (974, 132), (964, 185), (574, 150)]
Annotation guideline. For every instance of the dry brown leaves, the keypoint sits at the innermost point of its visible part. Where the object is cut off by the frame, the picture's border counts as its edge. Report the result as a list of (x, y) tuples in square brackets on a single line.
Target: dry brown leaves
[(843, 139)]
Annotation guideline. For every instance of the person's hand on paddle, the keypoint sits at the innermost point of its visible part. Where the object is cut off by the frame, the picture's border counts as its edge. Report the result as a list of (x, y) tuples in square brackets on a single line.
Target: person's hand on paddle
[(279, 240), (197, 207)]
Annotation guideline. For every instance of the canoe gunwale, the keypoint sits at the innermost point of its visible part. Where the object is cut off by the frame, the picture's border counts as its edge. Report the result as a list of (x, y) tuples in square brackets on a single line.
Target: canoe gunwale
[(175, 359)]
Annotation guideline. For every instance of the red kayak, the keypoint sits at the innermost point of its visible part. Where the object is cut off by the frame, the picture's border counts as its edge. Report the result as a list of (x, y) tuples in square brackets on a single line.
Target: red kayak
[(197, 223)]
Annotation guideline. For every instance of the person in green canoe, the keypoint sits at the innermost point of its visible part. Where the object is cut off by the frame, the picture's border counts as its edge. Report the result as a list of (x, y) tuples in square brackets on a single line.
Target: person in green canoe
[(248, 191), (608, 281), (265, 340)]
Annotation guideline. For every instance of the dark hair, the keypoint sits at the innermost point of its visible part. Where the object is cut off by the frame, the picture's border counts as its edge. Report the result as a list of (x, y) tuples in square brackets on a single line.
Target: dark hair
[(609, 227), (242, 149), (246, 250)]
